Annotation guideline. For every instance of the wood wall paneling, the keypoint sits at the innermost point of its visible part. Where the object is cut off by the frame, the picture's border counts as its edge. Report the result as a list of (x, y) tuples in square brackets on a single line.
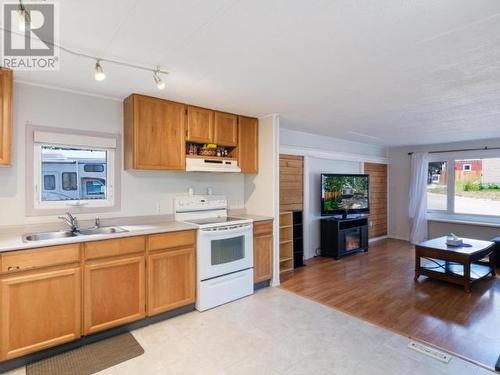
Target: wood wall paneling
[(291, 182), (378, 199)]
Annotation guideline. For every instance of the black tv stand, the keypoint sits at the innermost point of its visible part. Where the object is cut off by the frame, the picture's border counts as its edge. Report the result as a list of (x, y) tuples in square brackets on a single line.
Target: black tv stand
[(343, 236)]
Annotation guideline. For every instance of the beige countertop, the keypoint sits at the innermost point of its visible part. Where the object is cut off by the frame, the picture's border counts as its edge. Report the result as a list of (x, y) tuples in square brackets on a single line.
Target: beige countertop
[(11, 237)]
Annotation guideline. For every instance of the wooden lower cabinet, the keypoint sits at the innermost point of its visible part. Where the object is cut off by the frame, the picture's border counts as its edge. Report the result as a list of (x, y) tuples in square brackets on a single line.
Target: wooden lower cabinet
[(171, 279), (263, 251), (114, 292), (39, 310), (54, 295)]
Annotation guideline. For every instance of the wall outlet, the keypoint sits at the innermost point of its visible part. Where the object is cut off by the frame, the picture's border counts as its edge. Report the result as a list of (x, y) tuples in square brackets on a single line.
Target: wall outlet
[(158, 207), (371, 224)]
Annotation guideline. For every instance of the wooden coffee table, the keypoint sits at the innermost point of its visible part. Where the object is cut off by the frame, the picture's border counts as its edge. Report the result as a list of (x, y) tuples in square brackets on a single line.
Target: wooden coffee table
[(458, 265)]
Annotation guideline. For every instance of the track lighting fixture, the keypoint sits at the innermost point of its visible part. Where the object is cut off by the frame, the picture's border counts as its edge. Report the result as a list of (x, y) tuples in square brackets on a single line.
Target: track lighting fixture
[(99, 72), (99, 75), (159, 82), (23, 17)]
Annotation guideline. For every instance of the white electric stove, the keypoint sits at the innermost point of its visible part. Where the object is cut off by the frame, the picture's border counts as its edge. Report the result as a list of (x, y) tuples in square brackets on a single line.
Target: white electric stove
[(224, 251)]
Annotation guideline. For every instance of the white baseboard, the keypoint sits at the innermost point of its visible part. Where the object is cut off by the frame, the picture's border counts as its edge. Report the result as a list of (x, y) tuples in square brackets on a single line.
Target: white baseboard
[(395, 237), (375, 239)]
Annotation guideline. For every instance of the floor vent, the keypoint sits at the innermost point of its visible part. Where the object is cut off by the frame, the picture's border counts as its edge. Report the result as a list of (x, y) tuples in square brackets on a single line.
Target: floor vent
[(431, 352)]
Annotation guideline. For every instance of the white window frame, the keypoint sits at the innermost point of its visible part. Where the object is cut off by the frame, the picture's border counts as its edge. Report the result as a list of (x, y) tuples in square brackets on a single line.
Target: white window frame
[(39, 204), (468, 169), (37, 135), (449, 214)]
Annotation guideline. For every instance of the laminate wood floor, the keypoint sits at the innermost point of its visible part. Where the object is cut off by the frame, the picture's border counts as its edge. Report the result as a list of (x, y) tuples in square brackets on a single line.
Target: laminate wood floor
[(378, 287)]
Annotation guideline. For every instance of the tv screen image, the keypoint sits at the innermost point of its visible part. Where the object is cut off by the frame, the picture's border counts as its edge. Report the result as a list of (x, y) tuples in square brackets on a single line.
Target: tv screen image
[(345, 190)]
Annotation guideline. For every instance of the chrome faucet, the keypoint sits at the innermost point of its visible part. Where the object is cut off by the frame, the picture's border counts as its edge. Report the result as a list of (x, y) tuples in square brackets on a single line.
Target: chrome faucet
[(71, 221)]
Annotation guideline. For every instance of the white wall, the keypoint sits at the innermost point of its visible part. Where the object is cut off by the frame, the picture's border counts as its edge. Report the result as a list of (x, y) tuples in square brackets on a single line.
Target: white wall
[(324, 155), (313, 167), (399, 180), (143, 192), (300, 143), (262, 189)]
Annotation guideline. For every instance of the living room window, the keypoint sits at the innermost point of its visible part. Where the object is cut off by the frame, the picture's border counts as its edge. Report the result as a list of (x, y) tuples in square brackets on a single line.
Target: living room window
[(437, 186), (465, 188)]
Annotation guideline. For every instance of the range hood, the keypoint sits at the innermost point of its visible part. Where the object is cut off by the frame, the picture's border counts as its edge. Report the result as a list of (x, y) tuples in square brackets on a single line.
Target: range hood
[(209, 164)]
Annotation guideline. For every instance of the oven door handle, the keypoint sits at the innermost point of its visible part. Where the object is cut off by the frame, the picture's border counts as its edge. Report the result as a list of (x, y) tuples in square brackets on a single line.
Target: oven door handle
[(242, 229)]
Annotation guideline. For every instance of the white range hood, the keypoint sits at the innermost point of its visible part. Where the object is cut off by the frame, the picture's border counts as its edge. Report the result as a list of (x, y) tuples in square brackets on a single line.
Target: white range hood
[(211, 165)]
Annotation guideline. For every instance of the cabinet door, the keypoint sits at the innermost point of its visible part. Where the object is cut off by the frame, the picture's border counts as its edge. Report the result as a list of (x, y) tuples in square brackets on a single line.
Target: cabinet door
[(159, 141), (226, 129), (39, 311), (171, 279), (5, 116), (114, 293), (200, 125), (263, 257), (248, 144)]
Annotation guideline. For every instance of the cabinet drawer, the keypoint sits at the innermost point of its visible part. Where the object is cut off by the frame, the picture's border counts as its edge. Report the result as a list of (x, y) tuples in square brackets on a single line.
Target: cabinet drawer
[(115, 247), (41, 257), (174, 239), (262, 227)]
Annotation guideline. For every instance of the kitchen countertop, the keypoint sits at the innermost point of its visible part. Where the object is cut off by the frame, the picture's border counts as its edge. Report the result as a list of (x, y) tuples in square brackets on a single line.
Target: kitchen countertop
[(11, 237)]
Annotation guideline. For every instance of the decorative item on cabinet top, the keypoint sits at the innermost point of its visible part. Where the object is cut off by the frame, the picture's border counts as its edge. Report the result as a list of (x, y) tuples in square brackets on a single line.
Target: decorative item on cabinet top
[(165, 135)]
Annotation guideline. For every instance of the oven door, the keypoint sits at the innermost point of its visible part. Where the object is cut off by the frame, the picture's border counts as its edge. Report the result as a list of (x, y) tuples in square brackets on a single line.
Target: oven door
[(224, 250)]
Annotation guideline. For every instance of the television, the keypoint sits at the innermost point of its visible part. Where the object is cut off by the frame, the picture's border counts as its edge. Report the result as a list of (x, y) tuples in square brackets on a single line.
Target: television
[(345, 194)]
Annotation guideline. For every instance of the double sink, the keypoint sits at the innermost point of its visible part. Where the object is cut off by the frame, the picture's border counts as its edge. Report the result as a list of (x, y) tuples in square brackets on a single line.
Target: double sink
[(66, 234)]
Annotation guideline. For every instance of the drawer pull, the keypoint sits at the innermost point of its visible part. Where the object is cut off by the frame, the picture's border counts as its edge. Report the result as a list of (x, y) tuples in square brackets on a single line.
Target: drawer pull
[(13, 268)]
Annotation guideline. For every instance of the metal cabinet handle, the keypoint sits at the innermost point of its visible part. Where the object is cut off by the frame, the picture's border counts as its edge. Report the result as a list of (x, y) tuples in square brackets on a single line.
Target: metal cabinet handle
[(13, 268)]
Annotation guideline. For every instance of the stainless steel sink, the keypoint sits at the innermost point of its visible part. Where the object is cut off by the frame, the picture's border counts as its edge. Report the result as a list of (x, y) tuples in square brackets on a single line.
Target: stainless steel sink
[(48, 236), (65, 234), (102, 230)]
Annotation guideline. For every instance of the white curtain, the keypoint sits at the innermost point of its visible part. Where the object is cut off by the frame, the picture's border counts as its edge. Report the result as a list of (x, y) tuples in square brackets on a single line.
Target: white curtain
[(418, 196)]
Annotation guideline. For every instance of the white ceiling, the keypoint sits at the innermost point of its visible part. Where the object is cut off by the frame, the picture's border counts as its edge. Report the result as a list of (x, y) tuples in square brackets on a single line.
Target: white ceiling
[(391, 72)]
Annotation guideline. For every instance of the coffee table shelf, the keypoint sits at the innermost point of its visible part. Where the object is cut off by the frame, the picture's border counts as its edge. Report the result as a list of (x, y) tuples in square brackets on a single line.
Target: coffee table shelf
[(458, 265), (477, 271)]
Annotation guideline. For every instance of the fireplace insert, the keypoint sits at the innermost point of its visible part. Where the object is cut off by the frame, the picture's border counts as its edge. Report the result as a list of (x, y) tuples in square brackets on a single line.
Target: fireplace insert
[(340, 237)]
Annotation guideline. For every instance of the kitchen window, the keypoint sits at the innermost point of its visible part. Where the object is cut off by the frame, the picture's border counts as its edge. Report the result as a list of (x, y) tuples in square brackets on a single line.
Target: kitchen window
[(73, 170), (465, 187)]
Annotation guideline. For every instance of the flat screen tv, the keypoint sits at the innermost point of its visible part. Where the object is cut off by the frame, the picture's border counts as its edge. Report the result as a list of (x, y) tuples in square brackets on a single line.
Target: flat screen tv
[(345, 193)]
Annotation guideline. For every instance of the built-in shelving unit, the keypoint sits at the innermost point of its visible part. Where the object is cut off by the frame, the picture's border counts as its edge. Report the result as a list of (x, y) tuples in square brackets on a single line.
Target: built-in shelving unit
[(298, 240), (286, 242)]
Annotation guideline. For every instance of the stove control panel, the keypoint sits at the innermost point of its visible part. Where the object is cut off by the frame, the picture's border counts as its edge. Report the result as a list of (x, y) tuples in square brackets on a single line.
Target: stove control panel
[(199, 203)]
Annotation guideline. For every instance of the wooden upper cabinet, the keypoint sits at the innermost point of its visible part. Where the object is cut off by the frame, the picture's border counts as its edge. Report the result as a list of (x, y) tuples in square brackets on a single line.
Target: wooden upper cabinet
[(39, 310), (154, 133), (225, 129), (5, 116), (248, 146), (200, 125)]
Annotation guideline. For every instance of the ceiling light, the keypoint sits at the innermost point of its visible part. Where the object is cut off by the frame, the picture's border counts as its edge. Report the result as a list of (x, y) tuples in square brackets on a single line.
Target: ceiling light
[(99, 72), (159, 82)]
